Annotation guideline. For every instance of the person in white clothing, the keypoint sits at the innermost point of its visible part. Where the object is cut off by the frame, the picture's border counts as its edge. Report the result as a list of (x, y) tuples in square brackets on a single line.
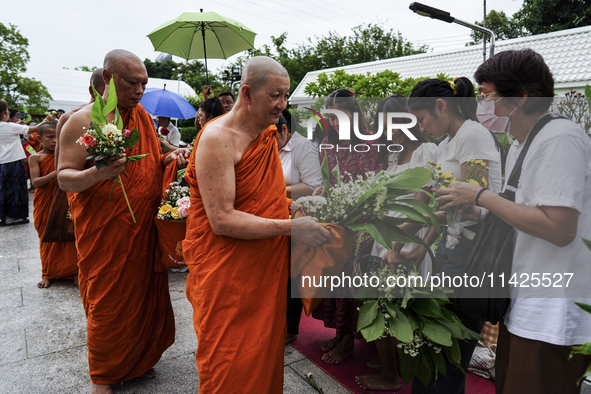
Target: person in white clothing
[(170, 135), (551, 213)]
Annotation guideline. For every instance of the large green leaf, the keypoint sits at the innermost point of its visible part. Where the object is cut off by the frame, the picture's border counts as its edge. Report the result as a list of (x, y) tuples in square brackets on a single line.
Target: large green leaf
[(426, 307), (324, 170), (409, 366), (587, 242), (367, 314), (582, 349), (453, 353), (118, 120), (374, 330), (424, 209), (137, 157), (407, 211), (401, 328), (437, 333), (97, 109), (455, 330), (99, 131), (439, 364), (111, 103), (132, 139), (424, 373)]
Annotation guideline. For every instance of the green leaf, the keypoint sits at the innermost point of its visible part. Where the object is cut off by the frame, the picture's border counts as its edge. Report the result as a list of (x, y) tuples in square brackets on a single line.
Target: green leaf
[(325, 174), (412, 320), (439, 364), (375, 330), (118, 120), (336, 171), (409, 366), (588, 94), (99, 131), (97, 108), (367, 293), (390, 307), (137, 157), (367, 314), (586, 241), (424, 209), (585, 307), (437, 333), (582, 349), (132, 139), (424, 374), (453, 353), (455, 330), (407, 211), (401, 328), (111, 103), (426, 307)]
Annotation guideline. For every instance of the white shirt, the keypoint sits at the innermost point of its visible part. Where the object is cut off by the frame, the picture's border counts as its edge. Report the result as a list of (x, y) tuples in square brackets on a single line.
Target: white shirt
[(472, 142), (11, 148), (556, 172), (299, 159), (420, 158), (174, 136)]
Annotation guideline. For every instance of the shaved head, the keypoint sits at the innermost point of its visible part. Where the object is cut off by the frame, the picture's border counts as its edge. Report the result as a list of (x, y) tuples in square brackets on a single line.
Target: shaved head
[(258, 69), (96, 80), (45, 127), (117, 59)]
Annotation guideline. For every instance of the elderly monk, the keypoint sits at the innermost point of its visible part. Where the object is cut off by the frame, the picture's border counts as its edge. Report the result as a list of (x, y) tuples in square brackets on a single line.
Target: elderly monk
[(237, 244), (124, 290)]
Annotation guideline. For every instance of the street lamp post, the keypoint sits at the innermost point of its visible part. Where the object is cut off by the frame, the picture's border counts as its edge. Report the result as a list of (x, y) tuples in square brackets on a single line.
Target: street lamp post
[(435, 13)]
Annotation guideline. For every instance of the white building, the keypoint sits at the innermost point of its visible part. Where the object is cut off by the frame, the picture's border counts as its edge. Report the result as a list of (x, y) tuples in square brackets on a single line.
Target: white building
[(69, 88), (567, 53)]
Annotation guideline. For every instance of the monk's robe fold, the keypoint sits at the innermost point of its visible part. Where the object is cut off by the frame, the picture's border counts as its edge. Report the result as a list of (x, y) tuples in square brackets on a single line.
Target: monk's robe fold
[(238, 288), (127, 303), (58, 259)]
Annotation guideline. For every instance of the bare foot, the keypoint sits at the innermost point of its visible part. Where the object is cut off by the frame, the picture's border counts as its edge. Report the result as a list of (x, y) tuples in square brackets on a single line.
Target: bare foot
[(330, 344), (377, 365), (44, 283), (100, 389), (340, 352), (379, 383), (290, 338), (150, 374)]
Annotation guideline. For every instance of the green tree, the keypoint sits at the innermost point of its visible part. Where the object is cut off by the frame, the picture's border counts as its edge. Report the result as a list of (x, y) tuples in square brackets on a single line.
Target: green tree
[(164, 70), (503, 27), (545, 16), (85, 68), (18, 91), (366, 43), (193, 73)]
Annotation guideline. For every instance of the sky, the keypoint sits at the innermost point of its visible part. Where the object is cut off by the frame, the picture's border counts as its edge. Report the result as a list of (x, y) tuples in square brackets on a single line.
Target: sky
[(71, 33)]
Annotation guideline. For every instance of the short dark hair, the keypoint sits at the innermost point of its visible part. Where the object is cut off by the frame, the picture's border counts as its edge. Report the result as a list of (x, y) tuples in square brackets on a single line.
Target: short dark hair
[(44, 127), (13, 112), (284, 119), (427, 92), (3, 106), (227, 93), (212, 107), (518, 72), (345, 99)]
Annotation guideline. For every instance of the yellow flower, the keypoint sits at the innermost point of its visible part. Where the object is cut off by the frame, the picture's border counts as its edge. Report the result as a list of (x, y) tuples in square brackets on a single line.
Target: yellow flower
[(448, 175), (165, 209), (431, 162), (484, 182), (478, 162), (473, 181), (438, 167), (452, 180), (483, 164), (175, 213)]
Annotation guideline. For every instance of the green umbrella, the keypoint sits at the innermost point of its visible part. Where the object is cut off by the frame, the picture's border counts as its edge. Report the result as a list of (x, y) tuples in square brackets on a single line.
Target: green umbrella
[(197, 35)]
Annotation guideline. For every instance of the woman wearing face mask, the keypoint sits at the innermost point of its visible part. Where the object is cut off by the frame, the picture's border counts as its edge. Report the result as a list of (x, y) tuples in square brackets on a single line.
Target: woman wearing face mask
[(342, 313), (448, 109), (551, 213)]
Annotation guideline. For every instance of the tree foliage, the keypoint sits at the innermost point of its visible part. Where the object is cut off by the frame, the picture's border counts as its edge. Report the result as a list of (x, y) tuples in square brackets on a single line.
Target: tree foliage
[(192, 72), (18, 91), (545, 16), (366, 43), (503, 27)]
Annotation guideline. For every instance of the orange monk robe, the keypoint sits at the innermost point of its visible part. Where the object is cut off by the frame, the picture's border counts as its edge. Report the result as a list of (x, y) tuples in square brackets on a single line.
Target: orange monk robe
[(34, 142), (58, 259), (124, 290), (238, 288)]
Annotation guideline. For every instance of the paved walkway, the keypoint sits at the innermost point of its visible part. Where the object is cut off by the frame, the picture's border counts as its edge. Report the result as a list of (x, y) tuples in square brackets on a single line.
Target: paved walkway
[(43, 333)]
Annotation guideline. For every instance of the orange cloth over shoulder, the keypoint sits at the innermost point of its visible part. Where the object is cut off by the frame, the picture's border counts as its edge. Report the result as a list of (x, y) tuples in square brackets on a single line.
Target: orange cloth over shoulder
[(238, 288), (58, 259), (34, 142), (127, 303)]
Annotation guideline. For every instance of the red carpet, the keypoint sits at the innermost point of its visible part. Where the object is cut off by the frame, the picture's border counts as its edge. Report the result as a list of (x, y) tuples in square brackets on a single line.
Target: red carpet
[(313, 332)]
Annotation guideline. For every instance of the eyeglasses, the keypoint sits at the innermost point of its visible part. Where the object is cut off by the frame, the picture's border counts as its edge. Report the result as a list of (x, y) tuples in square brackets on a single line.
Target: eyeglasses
[(483, 96)]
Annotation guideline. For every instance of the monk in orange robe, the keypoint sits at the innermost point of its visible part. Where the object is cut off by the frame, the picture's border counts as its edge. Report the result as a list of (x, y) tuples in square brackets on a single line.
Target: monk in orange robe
[(58, 259), (123, 288), (236, 246)]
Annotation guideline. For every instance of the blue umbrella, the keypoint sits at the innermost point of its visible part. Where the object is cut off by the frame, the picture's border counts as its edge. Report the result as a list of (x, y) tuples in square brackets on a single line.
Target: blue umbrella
[(161, 102)]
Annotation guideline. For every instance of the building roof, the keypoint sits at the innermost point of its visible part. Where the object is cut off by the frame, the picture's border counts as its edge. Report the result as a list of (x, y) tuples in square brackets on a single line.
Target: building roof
[(69, 88), (567, 53)]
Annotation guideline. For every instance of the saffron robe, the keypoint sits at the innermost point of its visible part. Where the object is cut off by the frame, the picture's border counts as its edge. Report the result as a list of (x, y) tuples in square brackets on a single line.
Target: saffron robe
[(238, 288), (58, 259), (124, 289)]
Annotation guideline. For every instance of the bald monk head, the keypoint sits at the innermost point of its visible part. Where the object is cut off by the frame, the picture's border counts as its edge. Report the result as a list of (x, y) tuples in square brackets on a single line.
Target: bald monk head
[(264, 89), (130, 76), (96, 80)]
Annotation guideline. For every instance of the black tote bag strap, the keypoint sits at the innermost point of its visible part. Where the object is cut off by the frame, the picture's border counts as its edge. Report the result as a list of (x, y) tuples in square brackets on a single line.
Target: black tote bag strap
[(513, 181)]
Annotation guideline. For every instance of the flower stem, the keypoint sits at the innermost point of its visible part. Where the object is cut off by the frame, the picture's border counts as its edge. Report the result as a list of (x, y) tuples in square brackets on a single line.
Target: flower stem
[(125, 195)]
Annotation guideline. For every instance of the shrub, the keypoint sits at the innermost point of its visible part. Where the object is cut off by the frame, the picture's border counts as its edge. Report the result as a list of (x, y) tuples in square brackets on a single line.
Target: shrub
[(188, 134)]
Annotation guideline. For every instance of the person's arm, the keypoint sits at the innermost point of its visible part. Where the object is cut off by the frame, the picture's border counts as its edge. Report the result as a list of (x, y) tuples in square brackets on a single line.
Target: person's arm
[(71, 174), (167, 145), (35, 171), (299, 190), (206, 92), (557, 225), (217, 185), (305, 158), (174, 137), (181, 155)]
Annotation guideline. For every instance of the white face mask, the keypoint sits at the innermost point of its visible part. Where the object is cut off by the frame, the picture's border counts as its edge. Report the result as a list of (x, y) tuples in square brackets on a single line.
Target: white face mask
[(486, 116)]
